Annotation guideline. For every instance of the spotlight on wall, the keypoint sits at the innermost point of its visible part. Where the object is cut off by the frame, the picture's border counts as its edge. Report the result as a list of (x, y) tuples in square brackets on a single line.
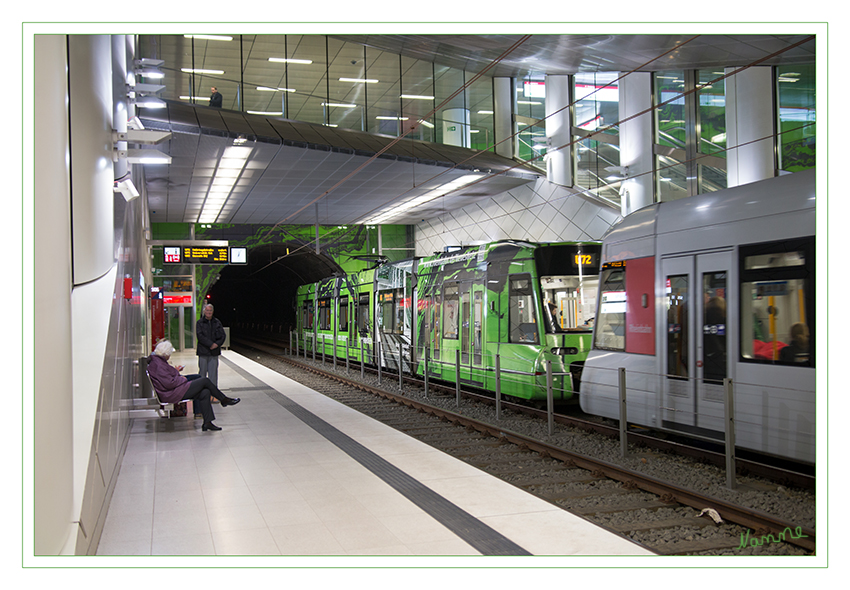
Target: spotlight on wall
[(126, 188), (149, 68)]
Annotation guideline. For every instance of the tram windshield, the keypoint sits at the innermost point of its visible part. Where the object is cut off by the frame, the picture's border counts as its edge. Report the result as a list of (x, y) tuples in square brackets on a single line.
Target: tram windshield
[(570, 302), (569, 282)]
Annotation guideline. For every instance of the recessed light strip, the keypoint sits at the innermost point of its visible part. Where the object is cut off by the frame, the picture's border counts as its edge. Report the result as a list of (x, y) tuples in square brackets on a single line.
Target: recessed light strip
[(201, 71), (288, 60), (210, 37)]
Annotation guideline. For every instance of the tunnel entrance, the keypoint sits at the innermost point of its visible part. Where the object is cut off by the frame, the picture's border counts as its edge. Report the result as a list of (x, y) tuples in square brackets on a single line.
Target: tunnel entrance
[(259, 296)]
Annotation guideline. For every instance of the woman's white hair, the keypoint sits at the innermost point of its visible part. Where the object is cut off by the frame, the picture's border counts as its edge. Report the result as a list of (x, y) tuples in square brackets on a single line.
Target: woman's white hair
[(164, 349)]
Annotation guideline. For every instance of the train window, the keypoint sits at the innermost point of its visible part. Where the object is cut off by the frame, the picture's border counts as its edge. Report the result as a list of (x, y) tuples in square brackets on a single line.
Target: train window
[(435, 311), (774, 260), (363, 315), (343, 314), (401, 317), (714, 326), (308, 314), (451, 311), (611, 320), (523, 313), (385, 315), (777, 302), (677, 326), (325, 314), (570, 302)]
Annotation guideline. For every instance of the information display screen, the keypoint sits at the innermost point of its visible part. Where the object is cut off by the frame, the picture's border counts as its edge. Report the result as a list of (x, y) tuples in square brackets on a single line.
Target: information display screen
[(201, 254), (585, 259), (206, 254)]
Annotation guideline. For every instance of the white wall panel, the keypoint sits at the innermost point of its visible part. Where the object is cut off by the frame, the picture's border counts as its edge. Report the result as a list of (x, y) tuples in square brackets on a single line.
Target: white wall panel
[(52, 282)]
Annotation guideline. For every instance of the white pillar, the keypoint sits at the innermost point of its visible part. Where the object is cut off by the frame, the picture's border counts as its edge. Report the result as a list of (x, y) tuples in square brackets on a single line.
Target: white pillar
[(456, 127), (749, 117), (503, 94), (91, 155), (53, 476), (559, 168), (636, 142)]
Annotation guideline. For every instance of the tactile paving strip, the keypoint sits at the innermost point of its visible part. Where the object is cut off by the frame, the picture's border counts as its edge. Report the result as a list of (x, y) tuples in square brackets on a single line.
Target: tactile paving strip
[(480, 536)]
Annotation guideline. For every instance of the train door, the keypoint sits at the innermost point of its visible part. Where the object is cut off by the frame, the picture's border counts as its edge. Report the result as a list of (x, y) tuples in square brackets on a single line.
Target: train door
[(450, 328), (696, 350), (471, 315), (361, 325), (477, 323)]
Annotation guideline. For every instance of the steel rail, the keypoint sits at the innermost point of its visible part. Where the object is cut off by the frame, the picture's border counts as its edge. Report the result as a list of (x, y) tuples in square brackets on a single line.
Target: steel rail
[(745, 466)]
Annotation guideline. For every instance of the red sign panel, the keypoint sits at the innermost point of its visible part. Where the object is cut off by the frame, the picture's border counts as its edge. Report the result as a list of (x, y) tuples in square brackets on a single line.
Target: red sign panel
[(179, 299)]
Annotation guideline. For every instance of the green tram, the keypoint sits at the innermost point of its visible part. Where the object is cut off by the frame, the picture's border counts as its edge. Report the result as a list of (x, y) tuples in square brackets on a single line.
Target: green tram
[(454, 312)]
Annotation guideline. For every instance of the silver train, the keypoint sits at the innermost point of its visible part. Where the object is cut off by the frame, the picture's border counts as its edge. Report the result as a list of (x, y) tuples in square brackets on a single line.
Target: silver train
[(706, 288)]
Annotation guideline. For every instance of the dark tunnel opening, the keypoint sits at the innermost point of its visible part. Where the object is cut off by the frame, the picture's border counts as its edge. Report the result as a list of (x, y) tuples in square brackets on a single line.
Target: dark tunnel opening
[(259, 296)]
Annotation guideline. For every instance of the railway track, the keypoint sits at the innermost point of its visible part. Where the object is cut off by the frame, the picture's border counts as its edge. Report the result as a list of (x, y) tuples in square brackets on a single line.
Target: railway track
[(666, 518)]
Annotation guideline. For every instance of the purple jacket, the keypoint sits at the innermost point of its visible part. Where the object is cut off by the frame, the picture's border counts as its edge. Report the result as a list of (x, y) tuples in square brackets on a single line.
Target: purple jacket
[(169, 384)]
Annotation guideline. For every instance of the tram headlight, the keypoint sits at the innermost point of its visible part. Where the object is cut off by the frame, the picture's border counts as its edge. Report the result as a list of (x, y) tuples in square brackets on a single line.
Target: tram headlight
[(564, 350)]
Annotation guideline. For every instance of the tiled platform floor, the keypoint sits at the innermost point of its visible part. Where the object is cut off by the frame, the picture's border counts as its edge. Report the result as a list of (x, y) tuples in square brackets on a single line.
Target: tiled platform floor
[(271, 484)]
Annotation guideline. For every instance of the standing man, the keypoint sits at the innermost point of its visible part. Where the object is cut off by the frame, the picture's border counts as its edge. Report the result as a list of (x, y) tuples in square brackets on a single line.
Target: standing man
[(215, 99), (211, 336)]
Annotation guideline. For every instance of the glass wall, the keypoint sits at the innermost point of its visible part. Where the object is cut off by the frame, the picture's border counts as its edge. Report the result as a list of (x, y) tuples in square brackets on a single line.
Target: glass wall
[(597, 100), (418, 97), (320, 79), (711, 95), (530, 108), (670, 136), (796, 112)]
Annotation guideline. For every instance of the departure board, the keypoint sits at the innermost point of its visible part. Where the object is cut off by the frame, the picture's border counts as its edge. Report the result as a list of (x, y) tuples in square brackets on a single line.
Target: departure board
[(205, 255)]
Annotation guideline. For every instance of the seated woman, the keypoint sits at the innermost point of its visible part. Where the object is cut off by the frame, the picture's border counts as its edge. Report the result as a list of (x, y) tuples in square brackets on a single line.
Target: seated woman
[(173, 387)]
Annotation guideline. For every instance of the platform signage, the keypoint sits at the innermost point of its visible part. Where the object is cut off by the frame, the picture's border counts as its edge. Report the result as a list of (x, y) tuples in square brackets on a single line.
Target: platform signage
[(206, 254), (177, 299), (172, 254), (200, 253)]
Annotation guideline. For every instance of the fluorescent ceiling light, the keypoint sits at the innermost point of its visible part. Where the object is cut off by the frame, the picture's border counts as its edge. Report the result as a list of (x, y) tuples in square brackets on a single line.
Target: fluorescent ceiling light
[(527, 102), (201, 71), (426, 123), (194, 98), (391, 118), (341, 105), (210, 37), (417, 97), (485, 112), (425, 198), (287, 60), (361, 80), (268, 113), (267, 89)]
